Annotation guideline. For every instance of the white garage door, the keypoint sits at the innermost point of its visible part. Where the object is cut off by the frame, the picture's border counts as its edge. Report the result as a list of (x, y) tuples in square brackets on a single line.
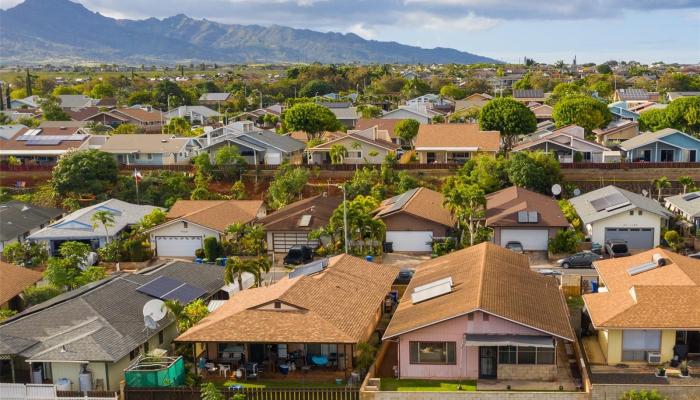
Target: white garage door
[(283, 241), (410, 240), (177, 246), (532, 239)]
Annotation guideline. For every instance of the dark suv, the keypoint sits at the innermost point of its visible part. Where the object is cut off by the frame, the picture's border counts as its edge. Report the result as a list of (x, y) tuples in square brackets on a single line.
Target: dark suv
[(616, 248), (298, 254)]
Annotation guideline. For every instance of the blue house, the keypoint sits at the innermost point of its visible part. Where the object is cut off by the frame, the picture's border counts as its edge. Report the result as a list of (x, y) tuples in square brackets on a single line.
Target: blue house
[(620, 111), (665, 145)]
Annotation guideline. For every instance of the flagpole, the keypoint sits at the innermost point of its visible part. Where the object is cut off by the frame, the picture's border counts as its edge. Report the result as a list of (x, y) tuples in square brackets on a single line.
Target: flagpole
[(136, 179)]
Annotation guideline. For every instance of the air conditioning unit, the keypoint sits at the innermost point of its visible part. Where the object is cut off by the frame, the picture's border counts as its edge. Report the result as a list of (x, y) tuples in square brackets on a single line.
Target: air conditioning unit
[(653, 357)]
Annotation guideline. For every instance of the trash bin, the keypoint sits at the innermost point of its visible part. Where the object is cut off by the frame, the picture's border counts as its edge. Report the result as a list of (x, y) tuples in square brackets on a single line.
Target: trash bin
[(594, 286), (198, 261), (389, 247), (369, 258)]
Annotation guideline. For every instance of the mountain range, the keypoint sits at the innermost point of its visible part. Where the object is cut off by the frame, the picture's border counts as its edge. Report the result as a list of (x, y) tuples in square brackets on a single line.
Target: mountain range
[(61, 31)]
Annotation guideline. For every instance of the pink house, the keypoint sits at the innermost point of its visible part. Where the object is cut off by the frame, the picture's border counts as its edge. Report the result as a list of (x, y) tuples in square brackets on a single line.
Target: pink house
[(479, 313)]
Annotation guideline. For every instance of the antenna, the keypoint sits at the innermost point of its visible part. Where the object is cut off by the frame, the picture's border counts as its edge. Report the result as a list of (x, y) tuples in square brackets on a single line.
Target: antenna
[(149, 323), (556, 189), (577, 192), (155, 310), (645, 192)]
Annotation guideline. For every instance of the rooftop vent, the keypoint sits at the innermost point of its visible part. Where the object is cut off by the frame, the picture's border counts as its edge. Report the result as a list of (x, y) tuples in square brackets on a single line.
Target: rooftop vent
[(657, 260)]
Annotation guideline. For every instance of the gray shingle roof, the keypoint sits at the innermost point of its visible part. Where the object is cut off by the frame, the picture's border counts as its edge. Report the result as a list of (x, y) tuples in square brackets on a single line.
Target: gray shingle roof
[(588, 213), (102, 322), (184, 111), (214, 96), (648, 137), (78, 225), (528, 93), (17, 217), (689, 203)]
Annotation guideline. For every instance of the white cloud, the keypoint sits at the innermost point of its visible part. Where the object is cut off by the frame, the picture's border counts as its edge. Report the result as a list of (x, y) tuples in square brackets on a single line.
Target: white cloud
[(363, 31), (469, 23)]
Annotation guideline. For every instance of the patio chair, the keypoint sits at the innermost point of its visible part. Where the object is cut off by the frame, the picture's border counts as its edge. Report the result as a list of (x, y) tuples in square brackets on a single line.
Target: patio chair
[(251, 371)]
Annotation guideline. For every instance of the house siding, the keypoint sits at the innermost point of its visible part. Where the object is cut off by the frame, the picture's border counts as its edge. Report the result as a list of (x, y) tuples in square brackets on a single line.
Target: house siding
[(453, 330), (408, 222), (623, 220), (365, 148), (611, 344), (404, 114), (178, 229), (621, 135)]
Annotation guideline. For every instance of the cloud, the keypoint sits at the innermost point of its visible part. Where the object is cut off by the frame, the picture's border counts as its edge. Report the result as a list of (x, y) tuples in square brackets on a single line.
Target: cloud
[(363, 31), (469, 23)]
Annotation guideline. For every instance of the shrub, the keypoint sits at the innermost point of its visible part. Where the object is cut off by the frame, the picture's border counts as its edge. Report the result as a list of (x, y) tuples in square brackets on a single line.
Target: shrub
[(211, 248), (199, 253), (565, 241), (136, 250), (39, 294), (674, 240), (210, 392), (642, 395)]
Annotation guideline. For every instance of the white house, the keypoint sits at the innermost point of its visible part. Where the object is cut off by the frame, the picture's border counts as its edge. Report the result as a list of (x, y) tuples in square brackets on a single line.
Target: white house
[(614, 213), (189, 222)]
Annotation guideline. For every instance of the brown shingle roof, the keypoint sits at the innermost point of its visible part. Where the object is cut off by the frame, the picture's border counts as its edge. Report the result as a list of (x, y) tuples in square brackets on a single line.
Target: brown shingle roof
[(381, 124), (144, 143), (663, 297), (139, 114), (14, 279), (287, 218), (303, 137), (423, 203), (68, 130), (457, 136), (489, 278), (215, 214), (502, 208), (337, 305)]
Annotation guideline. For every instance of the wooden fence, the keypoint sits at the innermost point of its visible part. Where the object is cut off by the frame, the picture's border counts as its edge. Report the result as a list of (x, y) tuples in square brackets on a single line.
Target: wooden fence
[(300, 393)]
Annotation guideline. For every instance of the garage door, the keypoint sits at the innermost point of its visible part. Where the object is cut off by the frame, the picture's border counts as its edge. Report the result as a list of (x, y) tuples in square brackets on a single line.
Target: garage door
[(410, 240), (282, 242), (637, 238), (532, 239), (177, 246)]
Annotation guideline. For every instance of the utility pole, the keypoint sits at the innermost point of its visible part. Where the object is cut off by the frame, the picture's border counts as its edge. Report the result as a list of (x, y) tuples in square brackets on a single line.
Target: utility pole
[(345, 218)]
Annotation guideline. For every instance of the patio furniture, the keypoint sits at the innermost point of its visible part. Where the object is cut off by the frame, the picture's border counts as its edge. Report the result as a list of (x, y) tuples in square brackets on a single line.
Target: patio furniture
[(224, 369), (211, 368), (251, 370), (284, 369), (319, 360)]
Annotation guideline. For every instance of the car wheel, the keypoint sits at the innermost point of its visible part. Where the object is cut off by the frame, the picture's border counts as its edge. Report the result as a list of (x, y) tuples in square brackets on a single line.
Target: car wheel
[(565, 265)]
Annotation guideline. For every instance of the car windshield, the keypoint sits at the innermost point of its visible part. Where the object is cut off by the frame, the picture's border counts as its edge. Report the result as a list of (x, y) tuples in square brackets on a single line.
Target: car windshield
[(619, 248)]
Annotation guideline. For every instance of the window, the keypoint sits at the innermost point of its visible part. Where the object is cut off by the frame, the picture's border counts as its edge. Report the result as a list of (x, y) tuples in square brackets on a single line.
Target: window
[(666, 155), (507, 355), (460, 158), (247, 153), (470, 316), (160, 337), (639, 212), (133, 354), (184, 224), (432, 352), (278, 304), (635, 344), (527, 355), (631, 212), (545, 355), (430, 157), (586, 156), (354, 154), (149, 156)]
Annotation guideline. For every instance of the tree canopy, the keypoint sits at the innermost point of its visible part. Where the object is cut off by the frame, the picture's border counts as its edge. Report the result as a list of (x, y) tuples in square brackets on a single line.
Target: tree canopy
[(536, 171), (583, 111), (407, 130), (509, 117), (84, 172), (311, 118)]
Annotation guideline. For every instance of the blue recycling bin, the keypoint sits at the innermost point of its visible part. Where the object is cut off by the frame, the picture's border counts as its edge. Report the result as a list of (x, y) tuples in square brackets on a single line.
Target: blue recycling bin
[(594, 286), (198, 260), (369, 258)]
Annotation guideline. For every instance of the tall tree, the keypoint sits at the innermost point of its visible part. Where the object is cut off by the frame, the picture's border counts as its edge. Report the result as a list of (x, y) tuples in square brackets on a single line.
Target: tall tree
[(660, 184), (467, 203), (236, 268), (337, 152), (84, 172), (583, 111), (311, 118), (510, 117), (407, 130), (105, 219)]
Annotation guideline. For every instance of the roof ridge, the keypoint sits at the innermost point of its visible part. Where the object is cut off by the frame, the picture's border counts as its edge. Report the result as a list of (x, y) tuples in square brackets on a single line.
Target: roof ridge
[(482, 273)]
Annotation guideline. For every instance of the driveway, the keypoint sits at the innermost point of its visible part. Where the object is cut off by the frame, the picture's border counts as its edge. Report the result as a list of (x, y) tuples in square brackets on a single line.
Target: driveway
[(404, 260)]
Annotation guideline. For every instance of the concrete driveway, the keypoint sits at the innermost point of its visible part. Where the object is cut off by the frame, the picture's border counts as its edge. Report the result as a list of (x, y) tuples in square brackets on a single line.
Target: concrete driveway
[(404, 260)]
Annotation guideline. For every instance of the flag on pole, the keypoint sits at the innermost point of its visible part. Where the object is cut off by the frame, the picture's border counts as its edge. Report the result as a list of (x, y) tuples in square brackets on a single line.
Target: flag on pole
[(137, 176)]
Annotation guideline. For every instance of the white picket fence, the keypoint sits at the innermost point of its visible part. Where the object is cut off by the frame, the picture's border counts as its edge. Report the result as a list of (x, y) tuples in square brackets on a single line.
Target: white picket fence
[(20, 391)]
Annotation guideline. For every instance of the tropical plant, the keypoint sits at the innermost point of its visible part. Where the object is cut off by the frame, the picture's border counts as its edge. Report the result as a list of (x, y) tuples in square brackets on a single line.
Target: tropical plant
[(467, 204), (642, 395), (686, 182), (34, 295), (236, 268), (25, 254), (365, 355), (660, 184), (105, 219), (209, 391), (6, 313), (338, 152), (211, 248), (674, 239), (84, 172), (565, 241), (407, 130), (510, 117), (287, 185), (310, 118), (581, 110)]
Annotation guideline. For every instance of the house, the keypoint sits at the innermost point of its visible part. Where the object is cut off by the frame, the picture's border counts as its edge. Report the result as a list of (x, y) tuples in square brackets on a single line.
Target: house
[(686, 205), (454, 143), (214, 99), (529, 95), (478, 313), (616, 132), (635, 95), (195, 114), (150, 149), (646, 307), (516, 214), (477, 100), (290, 225), (620, 111), (420, 114), (368, 146), (7, 132), (415, 219), (543, 112), (256, 145), (258, 115), (505, 81), (313, 317), (665, 145), (75, 101), (304, 137), (150, 120), (78, 226), (18, 220), (387, 125), (27, 102), (189, 222), (13, 283), (100, 327), (643, 107), (670, 96), (44, 144), (614, 213), (567, 143), (430, 100), (346, 113)]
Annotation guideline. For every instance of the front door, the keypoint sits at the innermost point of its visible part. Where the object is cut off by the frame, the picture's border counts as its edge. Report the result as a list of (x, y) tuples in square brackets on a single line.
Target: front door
[(646, 155), (692, 155), (488, 357)]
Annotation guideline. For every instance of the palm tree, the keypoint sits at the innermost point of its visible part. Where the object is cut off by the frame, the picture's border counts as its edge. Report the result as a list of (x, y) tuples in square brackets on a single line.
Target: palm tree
[(338, 152), (262, 266), (661, 183), (104, 218), (236, 231), (687, 182), (235, 268), (176, 310)]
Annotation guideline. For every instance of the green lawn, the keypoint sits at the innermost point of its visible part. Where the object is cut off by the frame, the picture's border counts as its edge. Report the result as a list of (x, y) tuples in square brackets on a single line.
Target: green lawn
[(425, 385), (283, 383)]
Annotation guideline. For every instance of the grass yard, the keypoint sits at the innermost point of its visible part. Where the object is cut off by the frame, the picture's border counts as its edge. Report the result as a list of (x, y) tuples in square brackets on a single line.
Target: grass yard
[(283, 383), (425, 385)]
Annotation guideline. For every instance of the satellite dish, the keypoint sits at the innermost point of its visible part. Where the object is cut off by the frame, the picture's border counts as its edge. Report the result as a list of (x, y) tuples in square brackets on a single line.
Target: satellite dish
[(577, 192), (645, 192), (155, 309), (150, 323), (556, 189)]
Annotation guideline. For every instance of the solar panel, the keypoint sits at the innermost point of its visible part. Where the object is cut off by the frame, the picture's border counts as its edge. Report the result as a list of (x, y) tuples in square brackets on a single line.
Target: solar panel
[(642, 268), (305, 220), (159, 286), (691, 196), (611, 200), (50, 142), (432, 292), (532, 217), (310, 268), (522, 217), (184, 294), (433, 284)]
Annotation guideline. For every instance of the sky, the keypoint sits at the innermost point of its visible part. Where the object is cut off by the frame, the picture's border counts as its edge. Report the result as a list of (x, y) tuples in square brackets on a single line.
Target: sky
[(508, 30)]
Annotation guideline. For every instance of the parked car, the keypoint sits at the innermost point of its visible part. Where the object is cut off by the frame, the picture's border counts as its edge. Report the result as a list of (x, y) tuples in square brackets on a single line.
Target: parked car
[(299, 254), (582, 259), (548, 272), (616, 248), (404, 276), (695, 256), (516, 247)]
